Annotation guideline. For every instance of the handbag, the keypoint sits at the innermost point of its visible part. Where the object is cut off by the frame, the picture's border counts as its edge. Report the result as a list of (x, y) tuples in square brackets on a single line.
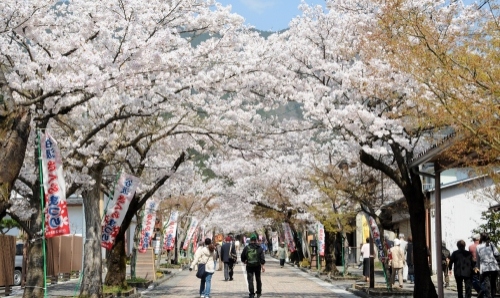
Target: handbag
[(232, 255), (201, 271), (497, 258)]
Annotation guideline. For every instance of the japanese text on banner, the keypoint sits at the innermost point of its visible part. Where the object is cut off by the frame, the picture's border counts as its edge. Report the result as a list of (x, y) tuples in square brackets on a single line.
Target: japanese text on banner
[(321, 240), (148, 224), (56, 210), (192, 229), (170, 231), (124, 192), (289, 237)]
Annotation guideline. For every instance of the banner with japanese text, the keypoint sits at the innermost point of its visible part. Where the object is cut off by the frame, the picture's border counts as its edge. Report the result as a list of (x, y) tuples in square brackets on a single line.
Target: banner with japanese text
[(148, 225), (124, 192), (274, 240), (195, 239), (321, 240), (191, 230), (171, 231), (56, 210), (289, 237), (376, 237)]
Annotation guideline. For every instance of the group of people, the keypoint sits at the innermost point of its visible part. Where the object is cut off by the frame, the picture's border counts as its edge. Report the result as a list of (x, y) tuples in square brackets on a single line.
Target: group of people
[(252, 256), (476, 267), (399, 260)]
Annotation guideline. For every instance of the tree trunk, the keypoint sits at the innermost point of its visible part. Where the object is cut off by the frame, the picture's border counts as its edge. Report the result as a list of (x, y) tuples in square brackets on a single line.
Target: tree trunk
[(117, 263), (424, 287), (411, 186), (35, 257), (14, 134), (330, 252), (92, 258)]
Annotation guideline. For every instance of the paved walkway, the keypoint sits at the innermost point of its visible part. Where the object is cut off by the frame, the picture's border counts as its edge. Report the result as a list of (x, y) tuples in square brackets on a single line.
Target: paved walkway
[(276, 282)]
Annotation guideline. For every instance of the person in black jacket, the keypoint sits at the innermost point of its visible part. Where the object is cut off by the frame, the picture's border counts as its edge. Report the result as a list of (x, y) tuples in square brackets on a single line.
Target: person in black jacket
[(461, 260), (254, 258), (227, 248)]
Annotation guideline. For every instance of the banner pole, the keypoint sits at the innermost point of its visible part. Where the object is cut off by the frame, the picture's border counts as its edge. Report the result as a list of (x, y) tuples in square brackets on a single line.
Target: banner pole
[(318, 247), (42, 202)]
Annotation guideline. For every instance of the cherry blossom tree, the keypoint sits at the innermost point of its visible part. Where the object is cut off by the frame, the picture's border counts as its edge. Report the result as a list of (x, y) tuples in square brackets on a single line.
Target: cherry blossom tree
[(327, 63)]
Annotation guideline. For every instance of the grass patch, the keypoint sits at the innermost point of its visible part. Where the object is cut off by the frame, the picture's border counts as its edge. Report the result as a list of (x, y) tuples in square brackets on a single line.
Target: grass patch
[(115, 289), (137, 279)]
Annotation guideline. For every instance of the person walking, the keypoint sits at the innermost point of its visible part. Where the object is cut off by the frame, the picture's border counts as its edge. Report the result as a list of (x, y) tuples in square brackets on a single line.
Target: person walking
[(398, 262), (409, 260), (254, 258), (365, 252), (445, 260), (205, 255), (403, 245), (461, 261), (227, 248), (282, 254), (476, 283), (487, 265)]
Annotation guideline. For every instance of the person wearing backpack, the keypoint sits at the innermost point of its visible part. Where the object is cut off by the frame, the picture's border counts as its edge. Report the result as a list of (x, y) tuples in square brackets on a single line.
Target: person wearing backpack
[(253, 257), (445, 261)]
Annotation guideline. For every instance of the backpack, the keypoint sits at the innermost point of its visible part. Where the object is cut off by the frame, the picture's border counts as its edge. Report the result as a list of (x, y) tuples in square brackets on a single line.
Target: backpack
[(252, 256)]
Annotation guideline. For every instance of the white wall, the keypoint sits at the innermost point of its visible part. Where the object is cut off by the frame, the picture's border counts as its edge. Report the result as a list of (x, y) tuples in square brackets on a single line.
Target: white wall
[(461, 207)]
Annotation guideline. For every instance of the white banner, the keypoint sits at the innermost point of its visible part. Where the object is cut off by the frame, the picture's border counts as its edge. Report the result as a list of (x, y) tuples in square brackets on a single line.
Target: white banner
[(192, 229), (56, 210), (321, 240), (289, 237), (275, 241), (124, 192), (171, 231), (148, 225)]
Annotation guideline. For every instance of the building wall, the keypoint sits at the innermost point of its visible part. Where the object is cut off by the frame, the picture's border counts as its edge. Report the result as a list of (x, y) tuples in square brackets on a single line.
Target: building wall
[(461, 208)]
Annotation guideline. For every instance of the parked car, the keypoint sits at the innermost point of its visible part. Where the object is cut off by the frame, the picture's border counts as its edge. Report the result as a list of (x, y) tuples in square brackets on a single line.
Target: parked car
[(18, 264)]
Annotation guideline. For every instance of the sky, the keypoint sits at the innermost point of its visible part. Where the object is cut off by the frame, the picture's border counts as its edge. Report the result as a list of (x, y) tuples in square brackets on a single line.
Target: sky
[(269, 15), (274, 15)]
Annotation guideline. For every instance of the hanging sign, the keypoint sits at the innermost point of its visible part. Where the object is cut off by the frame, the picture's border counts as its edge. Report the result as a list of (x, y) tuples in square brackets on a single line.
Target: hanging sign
[(192, 229), (321, 240), (56, 210), (289, 237), (148, 225), (171, 231), (124, 192)]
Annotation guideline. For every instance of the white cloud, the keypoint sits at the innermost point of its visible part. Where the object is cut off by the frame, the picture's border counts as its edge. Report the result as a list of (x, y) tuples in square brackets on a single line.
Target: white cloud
[(258, 6)]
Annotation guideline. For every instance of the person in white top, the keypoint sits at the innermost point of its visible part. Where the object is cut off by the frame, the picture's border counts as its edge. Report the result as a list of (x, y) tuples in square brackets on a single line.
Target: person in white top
[(365, 251), (205, 255), (402, 246), (486, 254)]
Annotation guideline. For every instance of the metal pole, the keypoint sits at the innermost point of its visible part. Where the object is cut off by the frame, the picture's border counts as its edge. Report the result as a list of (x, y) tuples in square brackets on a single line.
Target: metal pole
[(42, 201), (372, 263), (317, 247), (437, 206)]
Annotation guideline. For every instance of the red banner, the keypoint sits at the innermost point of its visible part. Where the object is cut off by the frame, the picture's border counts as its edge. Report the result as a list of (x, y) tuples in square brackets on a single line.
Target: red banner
[(56, 210), (289, 237), (148, 224)]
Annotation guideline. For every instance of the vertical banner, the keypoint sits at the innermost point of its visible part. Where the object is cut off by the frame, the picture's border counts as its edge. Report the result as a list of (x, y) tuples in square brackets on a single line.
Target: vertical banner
[(274, 239), (376, 237), (124, 192), (171, 232), (195, 239), (192, 228), (321, 240), (378, 244), (210, 235), (56, 210), (289, 237), (148, 224)]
